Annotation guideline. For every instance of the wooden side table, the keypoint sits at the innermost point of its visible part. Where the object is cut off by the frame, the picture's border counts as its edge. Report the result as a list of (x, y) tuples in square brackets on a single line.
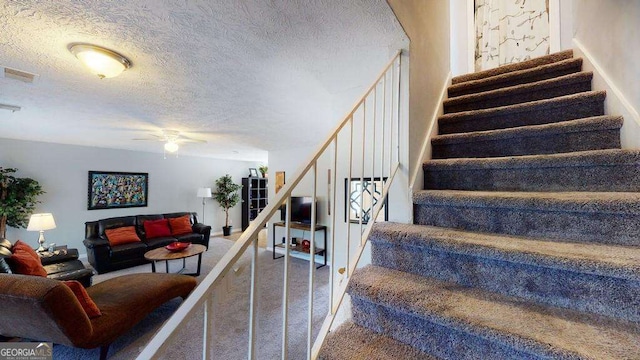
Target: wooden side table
[(162, 254)]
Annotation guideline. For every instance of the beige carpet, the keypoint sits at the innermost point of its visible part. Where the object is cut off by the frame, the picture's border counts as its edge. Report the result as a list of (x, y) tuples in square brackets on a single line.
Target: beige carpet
[(231, 317)]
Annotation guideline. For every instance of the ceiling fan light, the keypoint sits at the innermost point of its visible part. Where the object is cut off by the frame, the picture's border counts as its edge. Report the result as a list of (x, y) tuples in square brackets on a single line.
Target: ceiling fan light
[(171, 147), (100, 61)]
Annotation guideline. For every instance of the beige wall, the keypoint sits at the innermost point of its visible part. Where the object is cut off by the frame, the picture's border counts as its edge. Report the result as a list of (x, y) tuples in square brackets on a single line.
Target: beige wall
[(607, 32), (426, 22)]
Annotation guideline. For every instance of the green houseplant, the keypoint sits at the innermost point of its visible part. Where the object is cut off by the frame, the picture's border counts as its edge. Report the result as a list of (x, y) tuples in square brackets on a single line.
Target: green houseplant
[(263, 170), (227, 196), (18, 199)]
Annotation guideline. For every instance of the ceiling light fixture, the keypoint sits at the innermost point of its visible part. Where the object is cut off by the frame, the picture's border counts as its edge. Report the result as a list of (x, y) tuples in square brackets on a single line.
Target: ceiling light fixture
[(100, 61), (171, 147)]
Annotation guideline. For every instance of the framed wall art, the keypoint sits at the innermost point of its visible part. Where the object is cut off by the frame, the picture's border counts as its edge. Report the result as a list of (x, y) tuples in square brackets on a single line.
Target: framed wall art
[(359, 191), (279, 180), (111, 190)]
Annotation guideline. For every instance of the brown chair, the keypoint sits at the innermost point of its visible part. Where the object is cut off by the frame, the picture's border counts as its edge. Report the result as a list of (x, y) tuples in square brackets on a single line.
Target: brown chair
[(43, 309)]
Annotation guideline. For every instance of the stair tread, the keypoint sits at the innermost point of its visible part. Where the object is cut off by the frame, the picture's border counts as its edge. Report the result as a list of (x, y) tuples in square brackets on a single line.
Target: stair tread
[(580, 125), (518, 74), (560, 81), (513, 110), (599, 259), (570, 201), (508, 320), (351, 341), (608, 157), (547, 59)]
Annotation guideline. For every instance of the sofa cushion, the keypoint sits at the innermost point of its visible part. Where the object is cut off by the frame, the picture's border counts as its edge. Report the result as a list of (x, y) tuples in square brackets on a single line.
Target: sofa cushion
[(25, 260), (116, 222), (129, 251), (156, 228), (180, 225), (159, 242), (192, 238), (122, 235), (141, 219), (84, 299)]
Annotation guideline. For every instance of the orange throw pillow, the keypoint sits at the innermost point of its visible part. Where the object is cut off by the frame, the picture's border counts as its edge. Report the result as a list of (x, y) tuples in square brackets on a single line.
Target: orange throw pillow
[(83, 297), (122, 235), (26, 261), (180, 225)]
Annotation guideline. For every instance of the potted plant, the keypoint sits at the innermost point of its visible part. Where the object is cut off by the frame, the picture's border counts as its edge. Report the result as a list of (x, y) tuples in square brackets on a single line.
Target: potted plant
[(18, 199), (263, 170), (227, 196)]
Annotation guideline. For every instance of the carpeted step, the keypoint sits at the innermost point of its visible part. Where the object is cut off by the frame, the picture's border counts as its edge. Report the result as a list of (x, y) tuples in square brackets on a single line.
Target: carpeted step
[(563, 108), (525, 76), (598, 217), (595, 170), (544, 89), (595, 133), (455, 322), (602, 279), (543, 60), (353, 342)]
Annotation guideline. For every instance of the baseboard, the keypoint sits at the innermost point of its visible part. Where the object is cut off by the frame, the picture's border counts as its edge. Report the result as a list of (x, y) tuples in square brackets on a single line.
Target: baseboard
[(425, 153), (219, 233), (615, 103)]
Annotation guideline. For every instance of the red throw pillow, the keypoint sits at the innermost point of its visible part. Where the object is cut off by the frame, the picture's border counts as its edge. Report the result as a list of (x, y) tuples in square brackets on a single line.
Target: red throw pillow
[(180, 225), (122, 235), (26, 261), (156, 228), (83, 297)]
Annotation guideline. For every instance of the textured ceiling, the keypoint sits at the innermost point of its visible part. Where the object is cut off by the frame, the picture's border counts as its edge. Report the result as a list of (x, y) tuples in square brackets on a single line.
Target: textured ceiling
[(247, 76)]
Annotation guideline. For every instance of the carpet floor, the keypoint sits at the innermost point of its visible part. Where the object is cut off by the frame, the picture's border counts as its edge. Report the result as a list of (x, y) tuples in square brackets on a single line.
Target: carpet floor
[(231, 311)]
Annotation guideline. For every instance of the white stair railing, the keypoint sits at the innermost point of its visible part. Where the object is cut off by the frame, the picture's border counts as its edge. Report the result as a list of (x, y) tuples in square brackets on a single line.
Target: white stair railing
[(377, 114)]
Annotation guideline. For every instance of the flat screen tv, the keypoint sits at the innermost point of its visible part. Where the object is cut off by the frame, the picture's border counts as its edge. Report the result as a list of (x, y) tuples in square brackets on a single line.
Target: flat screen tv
[(300, 210)]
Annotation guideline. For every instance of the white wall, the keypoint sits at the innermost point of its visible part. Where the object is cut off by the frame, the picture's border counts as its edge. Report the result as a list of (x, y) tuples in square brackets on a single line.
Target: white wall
[(62, 171), (462, 36), (605, 34)]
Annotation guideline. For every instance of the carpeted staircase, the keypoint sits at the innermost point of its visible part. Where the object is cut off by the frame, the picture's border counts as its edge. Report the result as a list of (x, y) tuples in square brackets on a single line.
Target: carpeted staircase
[(526, 242)]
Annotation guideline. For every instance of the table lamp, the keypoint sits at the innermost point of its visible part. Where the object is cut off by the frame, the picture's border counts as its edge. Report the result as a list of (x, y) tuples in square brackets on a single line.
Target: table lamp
[(204, 193), (41, 222)]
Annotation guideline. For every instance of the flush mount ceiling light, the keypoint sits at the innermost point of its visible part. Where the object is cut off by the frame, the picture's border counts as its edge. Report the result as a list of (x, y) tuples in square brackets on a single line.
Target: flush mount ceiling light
[(100, 61)]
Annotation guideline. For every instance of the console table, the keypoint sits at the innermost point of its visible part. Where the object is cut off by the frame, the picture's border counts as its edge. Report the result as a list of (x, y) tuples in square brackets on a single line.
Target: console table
[(298, 248)]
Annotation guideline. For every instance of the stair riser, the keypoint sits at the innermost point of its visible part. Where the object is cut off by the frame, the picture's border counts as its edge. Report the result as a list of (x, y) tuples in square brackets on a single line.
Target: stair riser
[(518, 97), (603, 295), (567, 178), (453, 92), (606, 228), (537, 116), (547, 144), (444, 342), (552, 58)]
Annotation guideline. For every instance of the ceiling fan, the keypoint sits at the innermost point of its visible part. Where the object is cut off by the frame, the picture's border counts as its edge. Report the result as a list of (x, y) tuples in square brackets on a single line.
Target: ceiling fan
[(172, 139)]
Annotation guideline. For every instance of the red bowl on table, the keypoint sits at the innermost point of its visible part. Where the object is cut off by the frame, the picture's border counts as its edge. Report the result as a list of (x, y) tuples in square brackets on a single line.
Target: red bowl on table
[(177, 246)]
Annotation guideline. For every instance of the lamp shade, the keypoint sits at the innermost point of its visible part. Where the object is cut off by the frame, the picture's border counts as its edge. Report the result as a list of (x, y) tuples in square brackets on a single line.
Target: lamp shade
[(204, 192), (39, 222)]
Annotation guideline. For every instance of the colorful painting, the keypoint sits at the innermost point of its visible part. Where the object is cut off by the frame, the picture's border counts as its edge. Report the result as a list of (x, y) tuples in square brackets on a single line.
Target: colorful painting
[(111, 190)]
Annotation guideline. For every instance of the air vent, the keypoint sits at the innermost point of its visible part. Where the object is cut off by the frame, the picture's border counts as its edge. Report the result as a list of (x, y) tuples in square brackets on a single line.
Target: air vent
[(20, 75), (11, 108)]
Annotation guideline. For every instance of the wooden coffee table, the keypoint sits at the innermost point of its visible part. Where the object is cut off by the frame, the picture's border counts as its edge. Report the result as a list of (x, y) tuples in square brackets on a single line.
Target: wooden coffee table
[(162, 254)]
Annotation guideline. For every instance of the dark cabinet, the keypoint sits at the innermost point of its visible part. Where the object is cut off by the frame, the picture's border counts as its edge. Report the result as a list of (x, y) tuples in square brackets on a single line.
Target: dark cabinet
[(254, 198)]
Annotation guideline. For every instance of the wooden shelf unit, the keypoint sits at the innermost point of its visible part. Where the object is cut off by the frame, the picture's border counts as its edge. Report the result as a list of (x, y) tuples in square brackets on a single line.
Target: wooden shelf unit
[(298, 248), (255, 197)]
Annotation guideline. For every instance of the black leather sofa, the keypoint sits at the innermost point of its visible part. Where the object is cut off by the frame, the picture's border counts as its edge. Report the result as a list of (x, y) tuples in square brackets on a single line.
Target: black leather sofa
[(105, 258)]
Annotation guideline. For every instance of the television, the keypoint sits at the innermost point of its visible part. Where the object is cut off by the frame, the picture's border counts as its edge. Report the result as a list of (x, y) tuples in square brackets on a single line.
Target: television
[(300, 210)]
